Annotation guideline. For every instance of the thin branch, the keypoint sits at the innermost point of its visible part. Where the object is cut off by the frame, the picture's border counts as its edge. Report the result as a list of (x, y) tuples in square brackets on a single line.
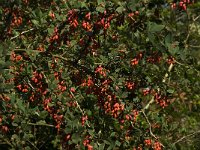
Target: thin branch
[(150, 102), (75, 64), (29, 83), (7, 142), (166, 74), (150, 127), (60, 57), (188, 35), (44, 142), (194, 46), (35, 124), (12, 38), (185, 65), (43, 124), (32, 144), (180, 63), (164, 80), (184, 137), (79, 107), (195, 19), (24, 50)]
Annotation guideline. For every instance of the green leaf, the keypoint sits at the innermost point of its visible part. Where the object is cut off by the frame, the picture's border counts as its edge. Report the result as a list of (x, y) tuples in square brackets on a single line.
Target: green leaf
[(100, 9), (151, 37), (99, 2), (173, 50), (111, 147), (107, 142), (170, 91), (20, 105), (120, 9), (76, 138), (41, 122), (91, 132), (153, 27), (38, 12), (118, 143), (124, 95), (84, 5), (168, 38), (35, 22), (132, 5), (113, 134), (14, 124), (148, 79), (50, 30), (136, 100), (101, 146), (43, 114)]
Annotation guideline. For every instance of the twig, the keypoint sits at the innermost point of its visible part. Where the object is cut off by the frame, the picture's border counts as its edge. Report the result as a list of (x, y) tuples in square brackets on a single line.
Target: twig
[(184, 137), (79, 107), (150, 127), (187, 66), (194, 46), (32, 144), (188, 35), (194, 19), (63, 58), (164, 80), (166, 74), (27, 49), (75, 64), (45, 141), (150, 102), (7, 142), (35, 124), (12, 38), (29, 83)]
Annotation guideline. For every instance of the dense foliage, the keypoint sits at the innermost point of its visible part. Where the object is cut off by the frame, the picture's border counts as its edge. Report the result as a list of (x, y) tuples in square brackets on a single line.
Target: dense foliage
[(99, 74)]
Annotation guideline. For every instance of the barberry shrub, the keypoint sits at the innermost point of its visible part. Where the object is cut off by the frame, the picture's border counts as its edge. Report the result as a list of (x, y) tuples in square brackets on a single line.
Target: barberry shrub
[(99, 74)]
